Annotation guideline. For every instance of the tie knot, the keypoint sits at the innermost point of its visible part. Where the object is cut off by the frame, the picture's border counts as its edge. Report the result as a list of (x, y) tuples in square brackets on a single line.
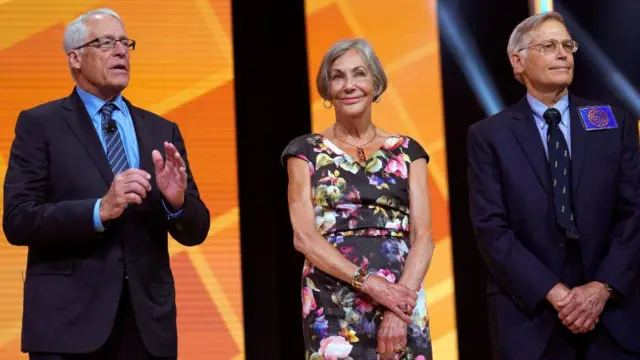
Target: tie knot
[(107, 109), (552, 116)]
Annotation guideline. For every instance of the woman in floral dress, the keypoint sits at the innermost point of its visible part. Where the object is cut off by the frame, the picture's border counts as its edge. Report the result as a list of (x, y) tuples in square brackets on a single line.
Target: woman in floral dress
[(359, 206)]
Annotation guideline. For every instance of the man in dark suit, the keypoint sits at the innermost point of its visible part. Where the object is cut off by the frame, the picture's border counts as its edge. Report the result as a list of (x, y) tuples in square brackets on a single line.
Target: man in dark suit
[(92, 198), (554, 185)]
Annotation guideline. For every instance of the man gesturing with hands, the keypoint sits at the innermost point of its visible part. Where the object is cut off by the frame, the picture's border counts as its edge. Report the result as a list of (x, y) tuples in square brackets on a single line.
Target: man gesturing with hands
[(94, 186), (132, 185)]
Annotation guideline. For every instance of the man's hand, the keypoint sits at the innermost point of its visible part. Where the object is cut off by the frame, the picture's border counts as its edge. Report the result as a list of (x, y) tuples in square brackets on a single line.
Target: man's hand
[(392, 335), (582, 307), (557, 294), (130, 186), (171, 175)]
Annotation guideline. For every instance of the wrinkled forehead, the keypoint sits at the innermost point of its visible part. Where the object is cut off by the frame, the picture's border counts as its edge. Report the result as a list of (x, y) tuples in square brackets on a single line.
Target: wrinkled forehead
[(551, 29), (104, 25)]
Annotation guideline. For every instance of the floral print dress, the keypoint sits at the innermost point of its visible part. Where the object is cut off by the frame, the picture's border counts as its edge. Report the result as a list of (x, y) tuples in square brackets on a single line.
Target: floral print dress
[(363, 211)]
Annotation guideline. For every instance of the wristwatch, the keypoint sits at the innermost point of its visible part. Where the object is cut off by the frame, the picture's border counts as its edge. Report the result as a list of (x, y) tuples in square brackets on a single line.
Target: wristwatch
[(612, 292)]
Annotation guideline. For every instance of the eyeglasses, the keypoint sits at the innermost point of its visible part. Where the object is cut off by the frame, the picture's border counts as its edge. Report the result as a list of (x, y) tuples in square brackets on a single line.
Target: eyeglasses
[(551, 46), (108, 43)]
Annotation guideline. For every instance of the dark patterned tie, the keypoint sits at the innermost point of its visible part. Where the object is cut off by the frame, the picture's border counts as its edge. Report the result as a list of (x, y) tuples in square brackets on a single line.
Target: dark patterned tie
[(115, 148), (560, 165)]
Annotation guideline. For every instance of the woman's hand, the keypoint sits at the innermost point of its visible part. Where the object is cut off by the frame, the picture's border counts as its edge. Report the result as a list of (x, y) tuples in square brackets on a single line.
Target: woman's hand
[(392, 337), (395, 297)]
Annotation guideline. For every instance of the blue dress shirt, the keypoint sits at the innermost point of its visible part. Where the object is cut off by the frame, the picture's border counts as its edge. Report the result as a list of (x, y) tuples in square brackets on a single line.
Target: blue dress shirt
[(539, 108), (123, 119)]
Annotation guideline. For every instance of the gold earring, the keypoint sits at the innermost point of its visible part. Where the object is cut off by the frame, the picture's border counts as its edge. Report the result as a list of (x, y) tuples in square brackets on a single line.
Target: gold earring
[(324, 103)]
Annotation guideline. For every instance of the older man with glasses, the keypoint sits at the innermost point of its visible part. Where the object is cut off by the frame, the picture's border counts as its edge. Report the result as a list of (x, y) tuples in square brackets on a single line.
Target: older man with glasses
[(93, 188), (554, 185)]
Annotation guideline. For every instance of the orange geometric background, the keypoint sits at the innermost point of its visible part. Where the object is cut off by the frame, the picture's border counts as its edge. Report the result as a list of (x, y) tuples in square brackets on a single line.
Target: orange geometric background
[(405, 38), (182, 69)]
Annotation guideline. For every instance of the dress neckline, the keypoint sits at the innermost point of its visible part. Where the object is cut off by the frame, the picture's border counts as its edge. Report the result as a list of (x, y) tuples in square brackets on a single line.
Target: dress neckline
[(338, 150)]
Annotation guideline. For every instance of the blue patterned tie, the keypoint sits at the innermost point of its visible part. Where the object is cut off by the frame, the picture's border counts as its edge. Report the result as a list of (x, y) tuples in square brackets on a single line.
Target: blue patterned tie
[(115, 148), (560, 165)]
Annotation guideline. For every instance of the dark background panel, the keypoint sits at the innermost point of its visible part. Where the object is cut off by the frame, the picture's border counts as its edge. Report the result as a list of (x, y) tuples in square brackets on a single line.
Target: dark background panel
[(490, 34), (272, 108), (613, 26)]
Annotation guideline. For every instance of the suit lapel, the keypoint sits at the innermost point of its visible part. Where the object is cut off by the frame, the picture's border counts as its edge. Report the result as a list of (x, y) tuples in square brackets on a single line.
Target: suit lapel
[(80, 123), (578, 143), (144, 135), (527, 135)]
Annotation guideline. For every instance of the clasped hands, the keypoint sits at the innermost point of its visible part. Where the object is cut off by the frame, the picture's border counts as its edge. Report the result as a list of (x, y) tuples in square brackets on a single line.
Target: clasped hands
[(579, 309), (399, 301), (132, 185)]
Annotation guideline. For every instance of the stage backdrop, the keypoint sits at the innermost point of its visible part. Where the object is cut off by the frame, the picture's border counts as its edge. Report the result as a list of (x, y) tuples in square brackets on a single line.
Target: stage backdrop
[(405, 39), (182, 69)]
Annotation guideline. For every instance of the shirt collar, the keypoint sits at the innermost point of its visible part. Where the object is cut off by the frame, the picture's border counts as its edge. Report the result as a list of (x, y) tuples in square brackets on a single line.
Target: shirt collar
[(538, 108), (94, 103)]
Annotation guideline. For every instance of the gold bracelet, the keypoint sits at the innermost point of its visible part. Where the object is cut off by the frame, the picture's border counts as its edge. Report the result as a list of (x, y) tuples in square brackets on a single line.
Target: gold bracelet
[(359, 277)]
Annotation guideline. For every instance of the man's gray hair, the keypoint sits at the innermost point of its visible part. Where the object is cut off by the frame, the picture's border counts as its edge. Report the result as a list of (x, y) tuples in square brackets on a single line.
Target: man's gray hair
[(338, 49), (521, 35), (76, 31)]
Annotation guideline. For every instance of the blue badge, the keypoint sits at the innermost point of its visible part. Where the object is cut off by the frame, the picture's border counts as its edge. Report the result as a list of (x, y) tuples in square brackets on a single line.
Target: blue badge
[(598, 117)]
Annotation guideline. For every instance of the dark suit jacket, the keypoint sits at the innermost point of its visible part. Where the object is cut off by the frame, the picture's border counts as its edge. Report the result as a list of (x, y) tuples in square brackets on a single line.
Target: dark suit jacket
[(511, 205), (57, 170)]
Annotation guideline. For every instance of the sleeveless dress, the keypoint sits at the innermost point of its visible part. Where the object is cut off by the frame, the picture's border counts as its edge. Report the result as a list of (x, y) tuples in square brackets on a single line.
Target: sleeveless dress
[(363, 211)]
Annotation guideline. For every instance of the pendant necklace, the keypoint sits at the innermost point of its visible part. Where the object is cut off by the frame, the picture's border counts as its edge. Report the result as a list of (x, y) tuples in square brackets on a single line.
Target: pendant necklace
[(359, 148)]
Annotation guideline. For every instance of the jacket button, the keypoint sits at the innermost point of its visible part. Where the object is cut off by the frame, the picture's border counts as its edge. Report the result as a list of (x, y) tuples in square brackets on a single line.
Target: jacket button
[(518, 301)]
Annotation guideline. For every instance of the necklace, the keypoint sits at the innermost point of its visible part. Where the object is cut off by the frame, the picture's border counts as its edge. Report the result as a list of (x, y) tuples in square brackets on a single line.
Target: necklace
[(359, 148)]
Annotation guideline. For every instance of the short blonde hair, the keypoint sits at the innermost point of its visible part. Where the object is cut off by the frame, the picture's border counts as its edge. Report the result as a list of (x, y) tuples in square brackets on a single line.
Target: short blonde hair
[(338, 49), (521, 35)]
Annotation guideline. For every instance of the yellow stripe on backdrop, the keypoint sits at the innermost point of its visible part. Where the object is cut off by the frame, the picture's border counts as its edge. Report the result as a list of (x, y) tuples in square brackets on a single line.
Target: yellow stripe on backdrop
[(406, 40), (540, 6), (189, 85)]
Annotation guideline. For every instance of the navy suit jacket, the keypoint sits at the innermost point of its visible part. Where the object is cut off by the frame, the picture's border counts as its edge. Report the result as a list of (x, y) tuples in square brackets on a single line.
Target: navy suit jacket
[(512, 211), (74, 277)]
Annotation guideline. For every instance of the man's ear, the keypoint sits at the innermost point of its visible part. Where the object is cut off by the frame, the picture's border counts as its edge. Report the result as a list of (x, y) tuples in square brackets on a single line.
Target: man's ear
[(74, 60), (517, 63)]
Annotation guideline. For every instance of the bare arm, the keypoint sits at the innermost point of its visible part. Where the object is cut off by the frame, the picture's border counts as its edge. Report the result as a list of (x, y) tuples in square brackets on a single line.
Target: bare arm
[(421, 238), (305, 237), (392, 331), (326, 257)]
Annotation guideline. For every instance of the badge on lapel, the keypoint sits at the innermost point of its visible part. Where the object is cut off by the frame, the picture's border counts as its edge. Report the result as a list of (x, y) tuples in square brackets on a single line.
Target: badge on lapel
[(598, 117)]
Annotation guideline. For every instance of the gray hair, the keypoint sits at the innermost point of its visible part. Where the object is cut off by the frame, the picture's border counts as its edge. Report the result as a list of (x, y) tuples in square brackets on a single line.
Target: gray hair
[(521, 35), (76, 31), (340, 48)]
